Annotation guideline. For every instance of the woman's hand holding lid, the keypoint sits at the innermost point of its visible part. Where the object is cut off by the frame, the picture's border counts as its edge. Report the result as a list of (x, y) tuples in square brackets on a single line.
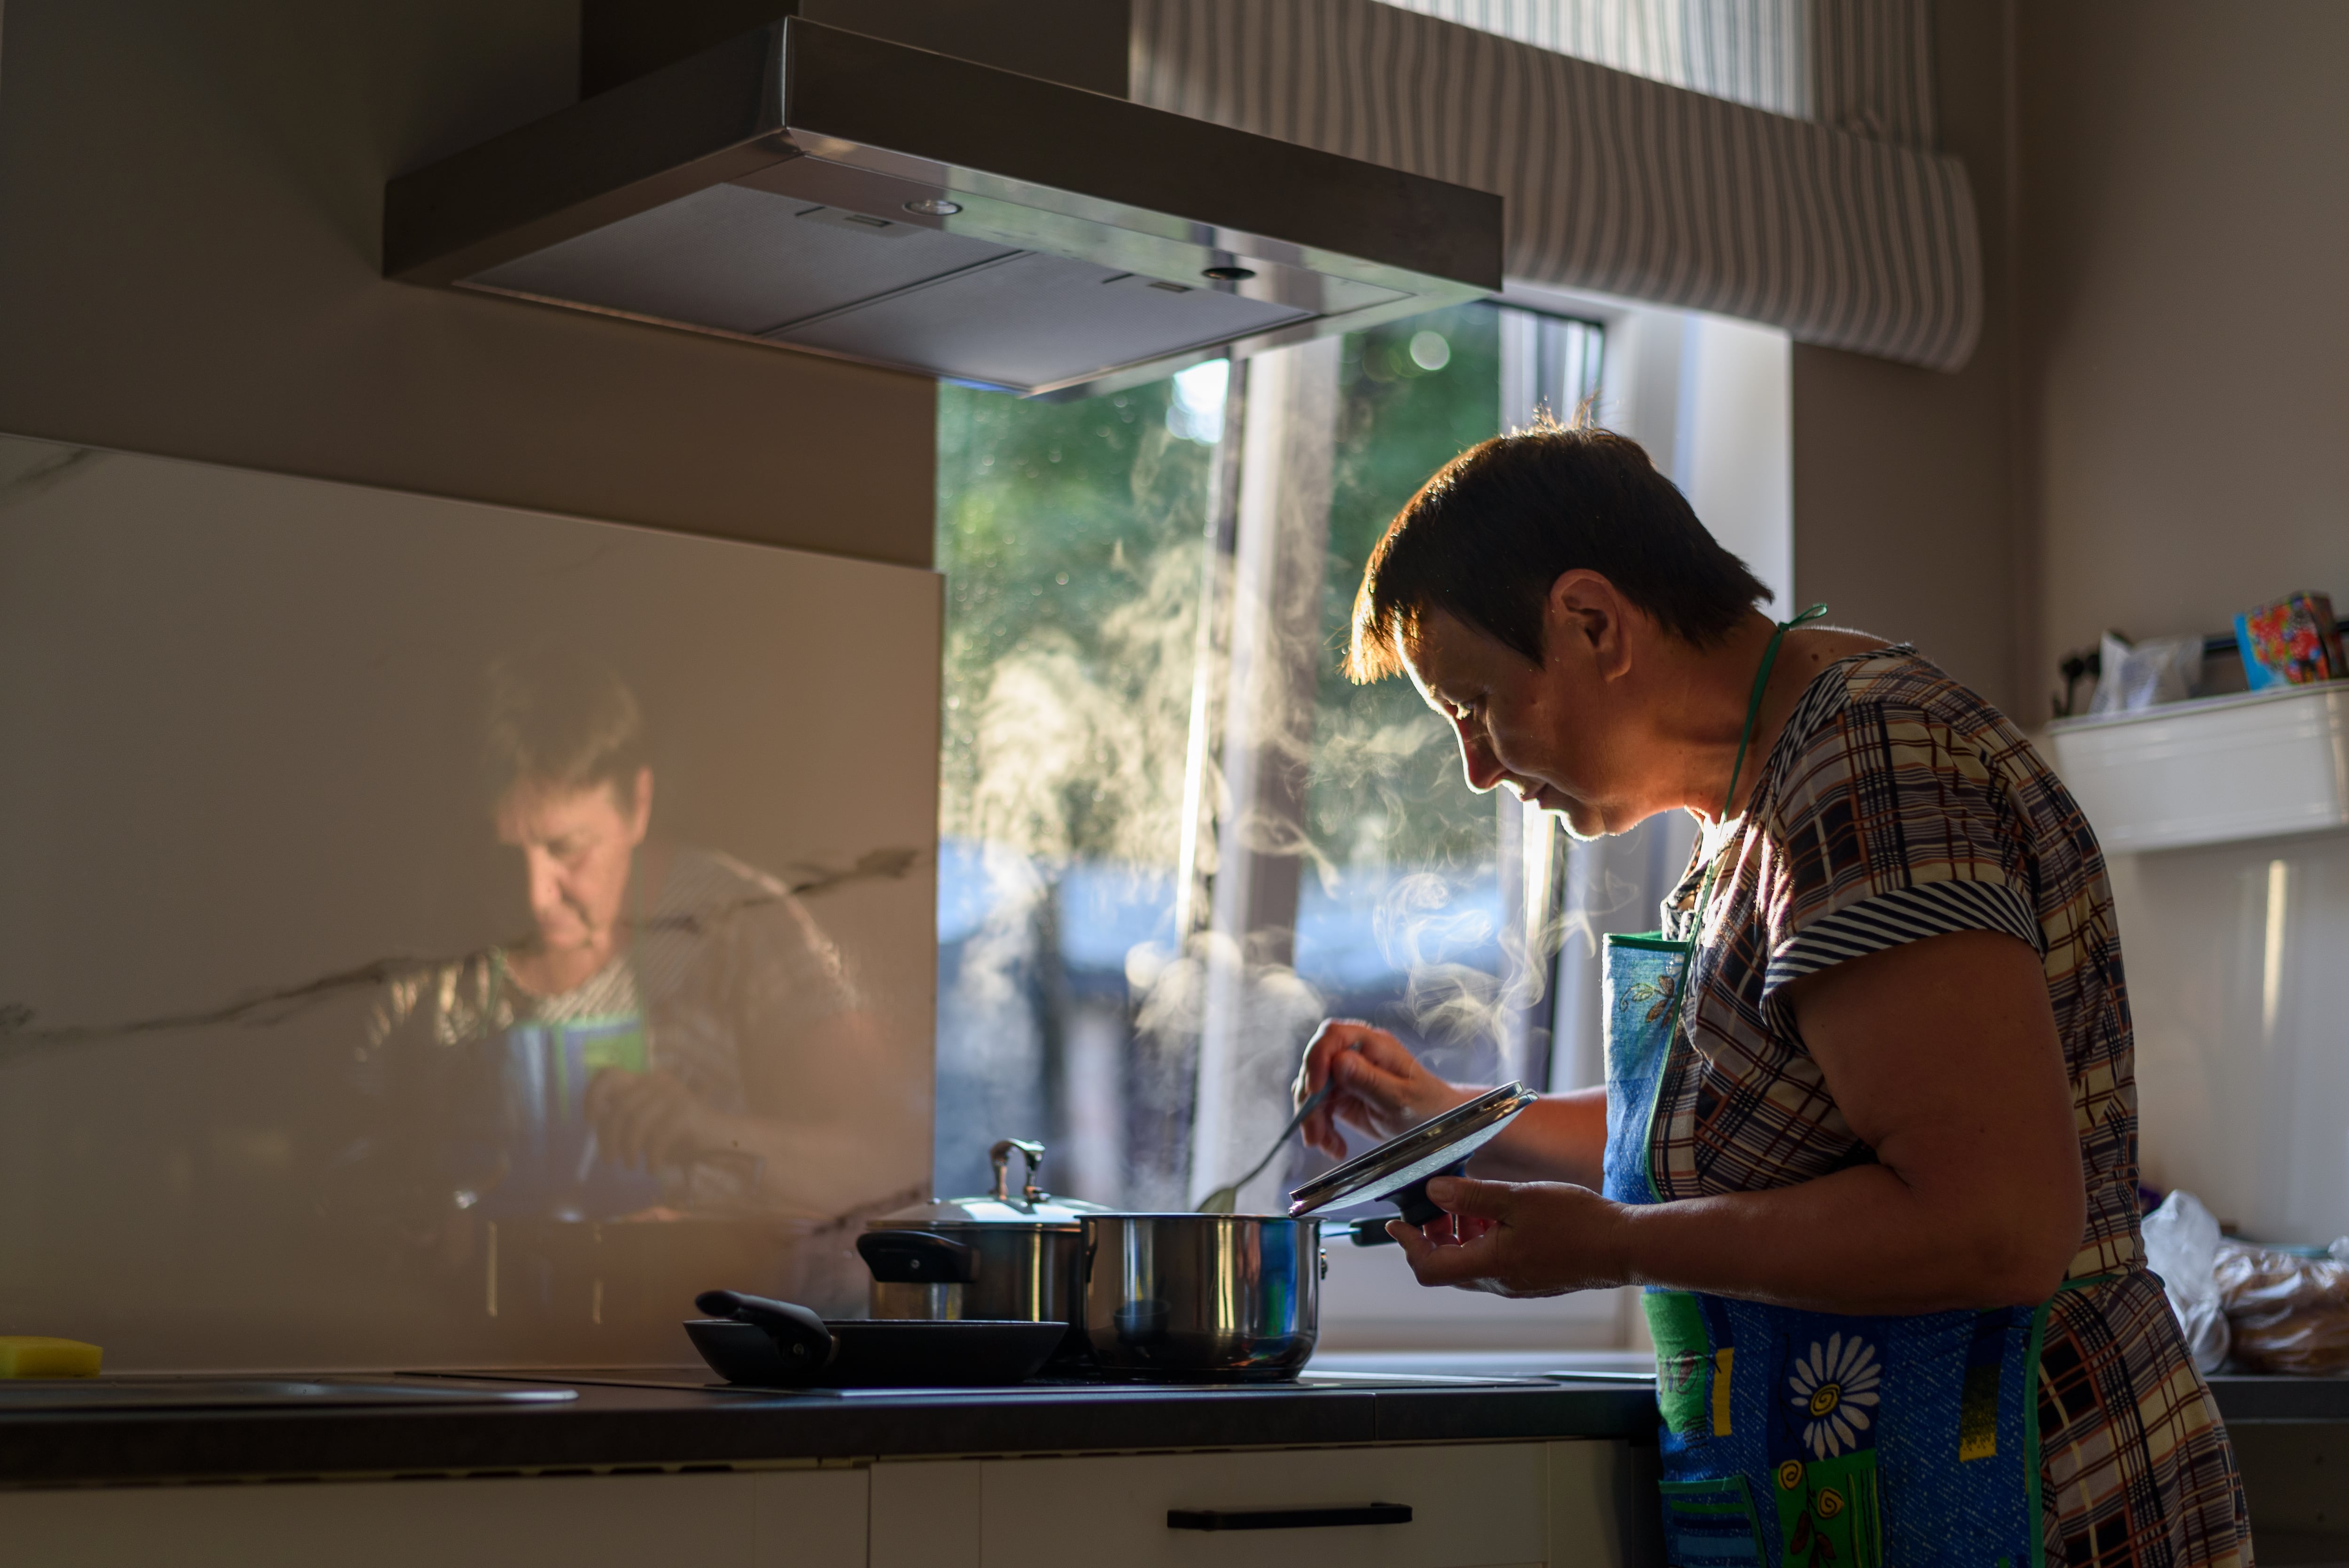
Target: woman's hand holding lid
[(1546, 1238)]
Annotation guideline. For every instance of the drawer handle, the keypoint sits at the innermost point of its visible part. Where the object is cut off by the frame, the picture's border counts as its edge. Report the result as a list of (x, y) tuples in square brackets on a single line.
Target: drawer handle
[(1286, 1518)]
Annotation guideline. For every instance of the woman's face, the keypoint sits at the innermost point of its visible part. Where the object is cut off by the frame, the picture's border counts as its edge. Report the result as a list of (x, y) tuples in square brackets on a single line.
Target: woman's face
[(1560, 734), (577, 846)]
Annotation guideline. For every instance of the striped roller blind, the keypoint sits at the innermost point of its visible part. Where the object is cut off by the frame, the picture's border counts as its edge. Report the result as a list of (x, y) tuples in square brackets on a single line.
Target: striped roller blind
[(1866, 66), (1872, 68), (1753, 52), (1617, 182)]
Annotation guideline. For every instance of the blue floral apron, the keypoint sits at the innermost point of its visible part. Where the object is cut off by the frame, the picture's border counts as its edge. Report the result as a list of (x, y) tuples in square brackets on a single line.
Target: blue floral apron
[(1809, 1440)]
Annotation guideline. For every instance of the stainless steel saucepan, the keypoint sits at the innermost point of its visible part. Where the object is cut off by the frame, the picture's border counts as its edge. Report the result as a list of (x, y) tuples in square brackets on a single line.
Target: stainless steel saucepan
[(1208, 1297)]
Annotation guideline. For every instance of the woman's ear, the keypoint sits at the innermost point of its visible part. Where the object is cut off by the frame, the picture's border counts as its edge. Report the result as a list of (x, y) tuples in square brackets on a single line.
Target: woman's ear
[(1586, 613), (641, 818)]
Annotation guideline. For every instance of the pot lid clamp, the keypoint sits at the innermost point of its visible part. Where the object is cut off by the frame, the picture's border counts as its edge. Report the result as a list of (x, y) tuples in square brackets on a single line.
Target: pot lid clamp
[(1027, 1205)]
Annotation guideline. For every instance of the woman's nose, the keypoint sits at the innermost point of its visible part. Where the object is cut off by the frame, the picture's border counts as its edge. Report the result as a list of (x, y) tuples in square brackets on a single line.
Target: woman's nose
[(545, 880), (1483, 769)]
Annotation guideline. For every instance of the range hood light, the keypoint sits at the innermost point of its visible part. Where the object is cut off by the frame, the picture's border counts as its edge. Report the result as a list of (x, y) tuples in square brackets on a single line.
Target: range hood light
[(1229, 275), (934, 207)]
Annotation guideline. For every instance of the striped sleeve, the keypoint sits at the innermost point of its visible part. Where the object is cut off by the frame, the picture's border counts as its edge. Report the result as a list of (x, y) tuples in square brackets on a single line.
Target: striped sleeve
[(1890, 826), (1903, 915)]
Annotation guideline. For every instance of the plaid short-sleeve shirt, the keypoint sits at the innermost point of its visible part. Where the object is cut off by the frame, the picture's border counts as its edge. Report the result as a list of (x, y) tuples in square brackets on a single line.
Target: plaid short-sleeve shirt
[(1897, 805)]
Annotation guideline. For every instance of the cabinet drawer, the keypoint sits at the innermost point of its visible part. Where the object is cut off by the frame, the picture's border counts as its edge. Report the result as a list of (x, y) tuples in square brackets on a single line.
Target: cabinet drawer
[(791, 1519), (1472, 1506)]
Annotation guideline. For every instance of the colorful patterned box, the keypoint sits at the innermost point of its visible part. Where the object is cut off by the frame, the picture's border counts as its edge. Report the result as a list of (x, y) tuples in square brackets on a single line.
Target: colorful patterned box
[(2290, 643)]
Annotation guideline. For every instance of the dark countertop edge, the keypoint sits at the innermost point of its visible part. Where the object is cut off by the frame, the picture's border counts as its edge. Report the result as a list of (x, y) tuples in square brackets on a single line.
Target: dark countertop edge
[(614, 1429), (1561, 1411), (2248, 1397)]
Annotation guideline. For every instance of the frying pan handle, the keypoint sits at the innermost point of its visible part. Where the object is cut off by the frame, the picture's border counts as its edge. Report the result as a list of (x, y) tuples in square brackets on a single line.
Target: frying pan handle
[(917, 1257), (798, 1335)]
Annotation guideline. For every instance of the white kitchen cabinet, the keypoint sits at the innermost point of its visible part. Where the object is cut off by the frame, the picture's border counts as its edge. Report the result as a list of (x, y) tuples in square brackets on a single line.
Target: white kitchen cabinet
[(2250, 766), (775, 1519), (1584, 1504), (1473, 1505)]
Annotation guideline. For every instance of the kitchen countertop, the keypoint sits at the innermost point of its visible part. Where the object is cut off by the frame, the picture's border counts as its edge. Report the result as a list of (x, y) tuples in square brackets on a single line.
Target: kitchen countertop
[(2244, 1398), (668, 1419)]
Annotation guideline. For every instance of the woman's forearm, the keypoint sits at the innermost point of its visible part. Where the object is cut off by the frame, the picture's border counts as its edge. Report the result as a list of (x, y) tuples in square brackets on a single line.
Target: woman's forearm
[(1559, 1137), (1943, 1058), (1860, 1240)]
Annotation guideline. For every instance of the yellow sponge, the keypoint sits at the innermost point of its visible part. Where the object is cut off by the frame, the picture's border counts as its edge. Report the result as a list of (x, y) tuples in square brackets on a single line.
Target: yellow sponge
[(37, 1356)]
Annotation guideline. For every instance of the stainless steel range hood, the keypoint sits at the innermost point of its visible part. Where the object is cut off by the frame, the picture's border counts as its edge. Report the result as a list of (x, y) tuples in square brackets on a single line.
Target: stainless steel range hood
[(814, 188)]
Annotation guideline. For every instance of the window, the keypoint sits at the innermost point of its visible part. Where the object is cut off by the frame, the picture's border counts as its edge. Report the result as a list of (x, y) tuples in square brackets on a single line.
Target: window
[(1173, 836)]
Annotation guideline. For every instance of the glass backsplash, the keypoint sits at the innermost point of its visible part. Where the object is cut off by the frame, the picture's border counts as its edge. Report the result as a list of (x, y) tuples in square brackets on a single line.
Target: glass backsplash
[(439, 935)]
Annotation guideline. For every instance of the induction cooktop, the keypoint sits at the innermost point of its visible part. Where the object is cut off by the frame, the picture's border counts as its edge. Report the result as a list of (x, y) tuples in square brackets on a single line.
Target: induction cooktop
[(698, 1379), (204, 1392)]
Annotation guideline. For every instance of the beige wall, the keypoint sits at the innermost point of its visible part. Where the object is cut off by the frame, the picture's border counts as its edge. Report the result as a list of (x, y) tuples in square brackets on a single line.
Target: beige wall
[(2185, 222), (1904, 516), (2149, 436), (188, 205), (2185, 389)]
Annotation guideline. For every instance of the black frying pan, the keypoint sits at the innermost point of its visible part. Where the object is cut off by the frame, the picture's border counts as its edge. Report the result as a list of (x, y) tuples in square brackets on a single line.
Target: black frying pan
[(749, 1340)]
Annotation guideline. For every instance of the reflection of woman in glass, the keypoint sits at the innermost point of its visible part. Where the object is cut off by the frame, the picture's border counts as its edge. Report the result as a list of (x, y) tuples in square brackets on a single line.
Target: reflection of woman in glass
[(675, 1035)]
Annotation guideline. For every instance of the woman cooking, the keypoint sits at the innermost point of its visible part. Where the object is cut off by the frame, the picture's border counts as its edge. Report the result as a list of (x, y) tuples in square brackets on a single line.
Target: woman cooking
[(1868, 1137)]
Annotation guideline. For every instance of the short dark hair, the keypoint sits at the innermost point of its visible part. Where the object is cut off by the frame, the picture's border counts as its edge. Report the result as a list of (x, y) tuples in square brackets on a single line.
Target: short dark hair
[(565, 719), (1483, 540)]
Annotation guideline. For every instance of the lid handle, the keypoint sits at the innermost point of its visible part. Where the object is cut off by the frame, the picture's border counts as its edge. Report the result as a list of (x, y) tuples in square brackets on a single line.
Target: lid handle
[(1001, 1157), (1418, 1209)]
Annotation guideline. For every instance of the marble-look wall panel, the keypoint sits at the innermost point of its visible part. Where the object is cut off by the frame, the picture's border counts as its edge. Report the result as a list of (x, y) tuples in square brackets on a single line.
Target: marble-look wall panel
[(438, 934)]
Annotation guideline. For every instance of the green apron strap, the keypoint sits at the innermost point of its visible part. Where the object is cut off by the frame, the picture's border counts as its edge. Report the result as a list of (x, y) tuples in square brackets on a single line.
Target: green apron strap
[(1745, 739), (1754, 703)]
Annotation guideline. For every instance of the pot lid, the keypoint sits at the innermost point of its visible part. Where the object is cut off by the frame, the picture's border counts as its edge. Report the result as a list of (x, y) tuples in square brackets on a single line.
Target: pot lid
[(1027, 1204), (1413, 1156)]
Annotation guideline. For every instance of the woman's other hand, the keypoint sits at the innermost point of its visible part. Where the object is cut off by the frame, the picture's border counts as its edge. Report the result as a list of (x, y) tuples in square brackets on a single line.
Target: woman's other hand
[(1375, 1085), (1547, 1238)]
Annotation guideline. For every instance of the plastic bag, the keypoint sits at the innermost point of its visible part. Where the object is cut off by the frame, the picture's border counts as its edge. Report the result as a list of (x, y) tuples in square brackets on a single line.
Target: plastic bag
[(2138, 676), (2286, 1312), (2181, 1246)]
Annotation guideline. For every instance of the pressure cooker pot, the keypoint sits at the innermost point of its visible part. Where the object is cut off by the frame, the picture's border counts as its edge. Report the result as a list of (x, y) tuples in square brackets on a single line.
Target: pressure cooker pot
[(1012, 1253)]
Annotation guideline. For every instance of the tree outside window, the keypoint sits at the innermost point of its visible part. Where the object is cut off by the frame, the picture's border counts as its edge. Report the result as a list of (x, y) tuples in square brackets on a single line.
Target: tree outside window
[(1173, 836)]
